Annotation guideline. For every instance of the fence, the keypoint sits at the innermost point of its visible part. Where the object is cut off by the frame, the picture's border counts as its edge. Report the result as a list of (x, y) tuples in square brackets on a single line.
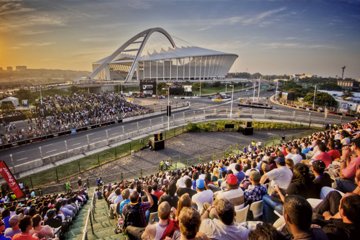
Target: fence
[(127, 142)]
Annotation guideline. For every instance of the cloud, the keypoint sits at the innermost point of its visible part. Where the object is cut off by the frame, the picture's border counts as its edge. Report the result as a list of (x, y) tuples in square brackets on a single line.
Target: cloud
[(32, 44), (8, 7), (33, 32), (296, 45), (27, 21), (95, 39), (139, 4), (260, 19)]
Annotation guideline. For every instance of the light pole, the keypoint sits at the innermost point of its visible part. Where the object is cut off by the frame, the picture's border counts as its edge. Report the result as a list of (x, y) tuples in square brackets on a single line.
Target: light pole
[(225, 88), (232, 100), (41, 98), (258, 98), (168, 108), (276, 90), (313, 106)]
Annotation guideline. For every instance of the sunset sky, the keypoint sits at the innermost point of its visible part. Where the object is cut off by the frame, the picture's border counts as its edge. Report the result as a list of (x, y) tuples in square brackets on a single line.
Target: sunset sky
[(270, 36)]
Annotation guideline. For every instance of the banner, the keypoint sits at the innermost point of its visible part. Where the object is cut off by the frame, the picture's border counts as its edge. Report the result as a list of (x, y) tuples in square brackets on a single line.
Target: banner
[(9, 178)]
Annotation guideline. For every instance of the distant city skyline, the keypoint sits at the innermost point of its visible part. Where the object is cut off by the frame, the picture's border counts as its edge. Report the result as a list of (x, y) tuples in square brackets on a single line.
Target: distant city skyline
[(270, 36)]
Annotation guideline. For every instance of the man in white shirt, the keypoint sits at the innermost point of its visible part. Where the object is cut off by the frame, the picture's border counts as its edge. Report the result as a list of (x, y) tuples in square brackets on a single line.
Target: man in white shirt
[(222, 226), (202, 196), (280, 176)]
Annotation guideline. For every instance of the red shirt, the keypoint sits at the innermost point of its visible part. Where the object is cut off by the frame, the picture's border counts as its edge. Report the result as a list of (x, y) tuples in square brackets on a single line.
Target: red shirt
[(158, 193), (325, 157), (24, 236), (334, 154)]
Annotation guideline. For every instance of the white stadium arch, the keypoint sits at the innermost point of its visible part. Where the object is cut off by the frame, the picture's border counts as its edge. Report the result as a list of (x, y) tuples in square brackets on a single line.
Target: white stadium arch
[(128, 63)]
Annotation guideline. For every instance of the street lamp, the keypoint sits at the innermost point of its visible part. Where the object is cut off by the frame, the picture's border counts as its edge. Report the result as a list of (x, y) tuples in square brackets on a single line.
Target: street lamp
[(168, 108), (313, 106), (232, 100)]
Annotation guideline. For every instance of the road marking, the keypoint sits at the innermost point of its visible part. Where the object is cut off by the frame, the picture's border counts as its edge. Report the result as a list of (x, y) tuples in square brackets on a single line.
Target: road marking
[(54, 150), (21, 159), (97, 138), (47, 145), (75, 144), (20, 152)]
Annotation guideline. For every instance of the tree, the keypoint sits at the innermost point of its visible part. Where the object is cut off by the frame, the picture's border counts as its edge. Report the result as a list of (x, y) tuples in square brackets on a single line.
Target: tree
[(330, 87), (7, 107), (23, 94), (321, 99)]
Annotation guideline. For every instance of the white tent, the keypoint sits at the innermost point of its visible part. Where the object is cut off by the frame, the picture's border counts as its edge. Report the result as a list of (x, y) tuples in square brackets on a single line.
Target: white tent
[(14, 100)]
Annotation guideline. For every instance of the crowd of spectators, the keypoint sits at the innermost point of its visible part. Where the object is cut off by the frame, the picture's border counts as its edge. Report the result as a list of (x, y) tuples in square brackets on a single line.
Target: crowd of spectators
[(201, 201), (63, 113), (39, 217)]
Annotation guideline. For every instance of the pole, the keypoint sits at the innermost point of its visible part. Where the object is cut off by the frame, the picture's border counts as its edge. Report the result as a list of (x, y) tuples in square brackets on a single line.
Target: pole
[(88, 140), (225, 87), (66, 146), (254, 86), (232, 100), (12, 162), (107, 136), (168, 103), (41, 99), (276, 90), (41, 154), (313, 106), (259, 89)]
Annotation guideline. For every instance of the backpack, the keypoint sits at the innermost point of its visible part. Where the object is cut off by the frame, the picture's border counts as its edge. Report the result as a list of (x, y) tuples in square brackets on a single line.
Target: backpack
[(132, 216)]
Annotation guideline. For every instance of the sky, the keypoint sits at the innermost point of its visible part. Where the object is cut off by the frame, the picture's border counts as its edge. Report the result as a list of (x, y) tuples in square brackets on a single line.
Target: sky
[(269, 36)]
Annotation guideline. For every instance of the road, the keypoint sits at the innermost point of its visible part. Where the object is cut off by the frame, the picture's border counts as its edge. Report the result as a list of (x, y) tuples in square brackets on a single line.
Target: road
[(30, 152)]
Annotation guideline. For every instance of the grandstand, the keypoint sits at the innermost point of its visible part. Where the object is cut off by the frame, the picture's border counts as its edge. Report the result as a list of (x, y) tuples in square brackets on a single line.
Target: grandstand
[(232, 184), (130, 62), (233, 193)]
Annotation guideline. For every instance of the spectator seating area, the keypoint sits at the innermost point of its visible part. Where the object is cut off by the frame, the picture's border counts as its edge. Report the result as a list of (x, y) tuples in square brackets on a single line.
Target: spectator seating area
[(43, 217), (311, 185), (58, 114)]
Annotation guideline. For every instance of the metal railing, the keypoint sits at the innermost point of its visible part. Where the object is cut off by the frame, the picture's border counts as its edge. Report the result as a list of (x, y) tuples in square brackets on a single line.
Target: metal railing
[(90, 217)]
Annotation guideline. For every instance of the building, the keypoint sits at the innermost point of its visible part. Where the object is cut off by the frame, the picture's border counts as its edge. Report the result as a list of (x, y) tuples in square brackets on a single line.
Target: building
[(20, 68), (9, 68), (349, 84), (130, 63)]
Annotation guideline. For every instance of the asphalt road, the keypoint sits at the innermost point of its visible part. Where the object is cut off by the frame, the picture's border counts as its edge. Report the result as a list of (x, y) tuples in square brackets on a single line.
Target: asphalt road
[(26, 153)]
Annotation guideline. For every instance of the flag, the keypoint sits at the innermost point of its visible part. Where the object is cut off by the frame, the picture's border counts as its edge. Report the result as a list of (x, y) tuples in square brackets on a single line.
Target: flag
[(9, 178)]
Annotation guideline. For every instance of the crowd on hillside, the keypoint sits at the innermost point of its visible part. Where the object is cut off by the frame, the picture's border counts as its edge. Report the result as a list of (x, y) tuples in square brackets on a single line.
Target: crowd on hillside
[(309, 188), (39, 217), (62, 113)]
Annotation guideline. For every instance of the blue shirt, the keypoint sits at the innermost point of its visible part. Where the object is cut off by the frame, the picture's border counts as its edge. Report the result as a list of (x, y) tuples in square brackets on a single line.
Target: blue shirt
[(122, 204)]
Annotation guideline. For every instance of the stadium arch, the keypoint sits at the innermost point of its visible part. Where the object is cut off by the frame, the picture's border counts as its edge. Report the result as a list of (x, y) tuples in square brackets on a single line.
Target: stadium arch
[(174, 64)]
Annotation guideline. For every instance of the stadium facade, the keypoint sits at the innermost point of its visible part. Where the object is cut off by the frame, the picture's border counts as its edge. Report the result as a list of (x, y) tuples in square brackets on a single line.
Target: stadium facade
[(129, 63)]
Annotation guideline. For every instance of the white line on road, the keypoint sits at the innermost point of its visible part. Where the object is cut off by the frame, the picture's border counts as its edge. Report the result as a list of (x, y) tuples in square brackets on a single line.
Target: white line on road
[(54, 150), (97, 138), (19, 152), (75, 144), (47, 145), (21, 159)]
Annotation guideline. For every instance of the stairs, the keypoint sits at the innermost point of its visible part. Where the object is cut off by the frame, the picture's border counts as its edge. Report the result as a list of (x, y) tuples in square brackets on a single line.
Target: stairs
[(104, 226)]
